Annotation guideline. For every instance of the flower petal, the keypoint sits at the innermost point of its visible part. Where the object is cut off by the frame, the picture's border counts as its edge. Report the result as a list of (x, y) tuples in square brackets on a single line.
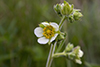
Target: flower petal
[(78, 61), (54, 37), (62, 5), (38, 32), (55, 25), (80, 53), (45, 23), (43, 40)]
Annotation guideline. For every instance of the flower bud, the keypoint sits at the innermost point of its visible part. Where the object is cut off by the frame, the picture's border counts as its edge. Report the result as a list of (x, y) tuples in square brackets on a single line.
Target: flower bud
[(78, 54), (76, 50), (69, 47), (57, 8), (74, 54), (61, 36), (77, 15), (71, 55), (71, 19), (65, 9)]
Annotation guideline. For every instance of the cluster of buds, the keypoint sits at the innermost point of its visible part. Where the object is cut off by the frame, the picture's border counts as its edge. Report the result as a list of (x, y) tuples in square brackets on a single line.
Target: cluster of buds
[(75, 53), (72, 53), (65, 9)]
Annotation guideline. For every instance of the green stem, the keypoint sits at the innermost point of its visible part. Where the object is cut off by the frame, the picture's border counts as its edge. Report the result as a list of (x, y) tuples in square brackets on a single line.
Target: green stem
[(60, 26), (60, 46), (61, 22), (52, 49), (49, 56), (53, 52), (59, 54)]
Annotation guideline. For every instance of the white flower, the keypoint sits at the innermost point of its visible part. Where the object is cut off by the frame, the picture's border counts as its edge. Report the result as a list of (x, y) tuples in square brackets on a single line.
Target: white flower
[(48, 33), (78, 61), (80, 53)]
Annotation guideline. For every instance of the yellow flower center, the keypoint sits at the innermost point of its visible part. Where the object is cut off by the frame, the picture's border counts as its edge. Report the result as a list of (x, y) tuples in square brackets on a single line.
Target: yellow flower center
[(49, 31)]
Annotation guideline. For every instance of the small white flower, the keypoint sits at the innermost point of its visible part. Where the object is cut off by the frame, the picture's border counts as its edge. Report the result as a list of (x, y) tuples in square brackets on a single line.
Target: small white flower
[(78, 51), (78, 61), (48, 33), (80, 54)]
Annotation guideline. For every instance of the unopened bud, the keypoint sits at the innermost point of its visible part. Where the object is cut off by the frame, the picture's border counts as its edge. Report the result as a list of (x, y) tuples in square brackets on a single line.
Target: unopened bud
[(69, 47), (77, 15), (61, 36), (71, 55), (71, 19), (66, 8), (78, 52), (57, 8)]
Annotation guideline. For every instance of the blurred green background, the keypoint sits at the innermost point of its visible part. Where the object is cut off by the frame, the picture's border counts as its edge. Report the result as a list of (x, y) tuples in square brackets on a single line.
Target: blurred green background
[(19, 46)]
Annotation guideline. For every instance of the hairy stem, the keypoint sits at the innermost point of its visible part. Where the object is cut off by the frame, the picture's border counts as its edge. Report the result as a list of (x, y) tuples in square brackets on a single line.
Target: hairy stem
[(49, 56), (53, 53), (52, 49), (59, 54), (61, 22)]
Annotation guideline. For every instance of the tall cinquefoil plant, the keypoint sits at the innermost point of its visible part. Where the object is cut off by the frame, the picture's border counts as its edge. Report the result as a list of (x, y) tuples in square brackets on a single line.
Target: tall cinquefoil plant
[(49, 33)]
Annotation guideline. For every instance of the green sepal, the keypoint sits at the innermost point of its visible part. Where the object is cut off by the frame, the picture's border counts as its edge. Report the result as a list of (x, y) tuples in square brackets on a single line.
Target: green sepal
[(76, 10), (71, 19), (61, 36), (76, 51), (66, 2), (41, 25), (71, 55), (71, 9)]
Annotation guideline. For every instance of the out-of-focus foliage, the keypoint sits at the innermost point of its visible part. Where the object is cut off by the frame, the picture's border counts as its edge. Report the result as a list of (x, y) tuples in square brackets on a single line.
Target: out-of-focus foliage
[(18, 44)]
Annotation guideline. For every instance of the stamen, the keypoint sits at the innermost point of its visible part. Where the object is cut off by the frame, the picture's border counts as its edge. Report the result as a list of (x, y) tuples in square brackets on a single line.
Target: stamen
[(48, 32)]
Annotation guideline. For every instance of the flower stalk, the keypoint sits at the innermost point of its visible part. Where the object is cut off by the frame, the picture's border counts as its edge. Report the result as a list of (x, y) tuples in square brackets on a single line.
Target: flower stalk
[(49, 56), (61, 22), (51, 52), (59, 54), (52, 49)]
